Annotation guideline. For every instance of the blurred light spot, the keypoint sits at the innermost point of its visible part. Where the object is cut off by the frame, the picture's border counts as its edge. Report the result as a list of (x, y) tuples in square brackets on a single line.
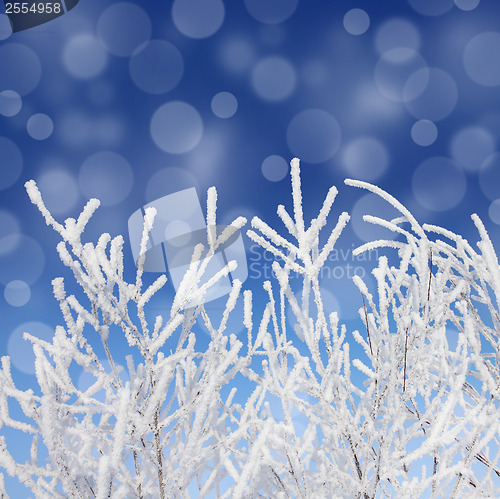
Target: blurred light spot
[(471, 146), (83, 57), (467, 4), (482, 59), (5, 27), (10, 103), (176, 127), (178, 228), (393, 70), (40, 126), (314, 135), (237, 55), (424, 133), (224, 105), (438, 184), (489, 177), (21, 350), (20, 68), (274, 79), (430, 93), (356, 21), (198, 18), (365, 159), (59, 191), (397, 33), (168, 181), (271, 11), (494, 211), (123, 27), (156, 67), (25, 260), (431, 7), (10, 155), (106, 176), (274, 168), (17, 293), (9, 230)]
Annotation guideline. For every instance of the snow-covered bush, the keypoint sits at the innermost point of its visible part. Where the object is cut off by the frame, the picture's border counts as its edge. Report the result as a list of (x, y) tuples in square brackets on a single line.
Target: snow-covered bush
[(425, 422)]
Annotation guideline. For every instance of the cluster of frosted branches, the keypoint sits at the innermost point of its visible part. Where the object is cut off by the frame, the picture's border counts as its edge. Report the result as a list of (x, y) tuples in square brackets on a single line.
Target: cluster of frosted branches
[(425, 422)]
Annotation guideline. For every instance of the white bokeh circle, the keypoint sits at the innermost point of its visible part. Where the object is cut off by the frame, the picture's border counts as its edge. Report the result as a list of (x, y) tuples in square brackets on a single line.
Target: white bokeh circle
[(10, 229), (471, 146), (430, 93), (60, 191), (274, 168), (40, 126), (122, 27), (21, 350), (106, 176), (21, 258), (237, 54), (176, 127), (5, 27), (397, 33), (10, 103), (467, 4), (84, 57), (494, 211), (482, 59), (489, 177), (274, 78), (198, 18), (314, 135), (365, 158), (167, 181), (393, 70), (439, 184), (424, 133), (224, 105), (10, 155), (431, 7), (17, 293), (156, 67), (356, 21), (271, 11), (20, 68)]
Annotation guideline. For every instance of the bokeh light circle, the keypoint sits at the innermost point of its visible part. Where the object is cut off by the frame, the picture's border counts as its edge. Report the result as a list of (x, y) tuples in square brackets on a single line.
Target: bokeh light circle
[(60, 191), (471, 146), (237, 54), (122, 27), (314, 135), (397, 33), (24, 260), (365, 158), (356, 21), (84, 57), (21, 68), (156, 67), (467, 4), (430, 93), (424, 133), (176, 127), (494, 211), (438, 184), (10, 155), (40, 126), (106, 176), (169, 180), (393, 70), (9, 230), (224, 105), (489, 177), (21, 350), (482, 59), (274, 168), (17, 293), (431, 7), (274, 79), (271, 11), (198, 18), (10, 103), (5, 27)]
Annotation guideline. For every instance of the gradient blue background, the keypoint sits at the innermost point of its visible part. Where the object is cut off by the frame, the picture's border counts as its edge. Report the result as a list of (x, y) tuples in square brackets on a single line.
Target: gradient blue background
[(344, 90)]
